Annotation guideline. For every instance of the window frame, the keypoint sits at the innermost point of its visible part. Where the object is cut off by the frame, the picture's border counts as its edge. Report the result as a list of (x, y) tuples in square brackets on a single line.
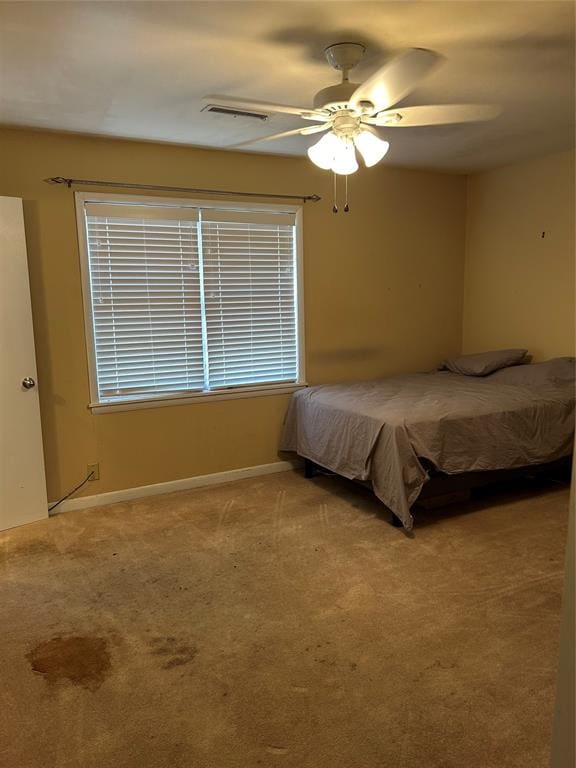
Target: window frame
[(157, 401)]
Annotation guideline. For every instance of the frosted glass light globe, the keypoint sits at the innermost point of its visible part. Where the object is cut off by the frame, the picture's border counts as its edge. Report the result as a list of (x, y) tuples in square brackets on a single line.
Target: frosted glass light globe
[(345, 161), (324, 151), (371, 147)]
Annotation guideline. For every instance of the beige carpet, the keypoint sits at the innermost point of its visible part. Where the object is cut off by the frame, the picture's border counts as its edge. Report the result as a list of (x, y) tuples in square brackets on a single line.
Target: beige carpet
[(279, 621)]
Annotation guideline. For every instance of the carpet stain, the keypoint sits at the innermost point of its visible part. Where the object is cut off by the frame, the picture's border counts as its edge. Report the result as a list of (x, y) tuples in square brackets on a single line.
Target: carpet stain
[(176, 653), (83, 661), (29, 548)]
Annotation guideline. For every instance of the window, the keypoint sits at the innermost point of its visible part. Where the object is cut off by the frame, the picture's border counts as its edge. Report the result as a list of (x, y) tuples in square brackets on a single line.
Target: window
[(186, 299)]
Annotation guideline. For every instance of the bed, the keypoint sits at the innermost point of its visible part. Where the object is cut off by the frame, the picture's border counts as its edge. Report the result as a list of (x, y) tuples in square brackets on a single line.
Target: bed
[(391, 432)]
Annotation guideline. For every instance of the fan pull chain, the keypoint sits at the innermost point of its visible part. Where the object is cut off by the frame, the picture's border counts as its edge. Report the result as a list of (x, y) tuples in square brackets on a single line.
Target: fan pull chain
[(346, 206), (334, 207)]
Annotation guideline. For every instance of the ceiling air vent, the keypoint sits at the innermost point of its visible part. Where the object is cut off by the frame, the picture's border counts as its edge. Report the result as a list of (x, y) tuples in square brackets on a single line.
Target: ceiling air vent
[(231, 112)]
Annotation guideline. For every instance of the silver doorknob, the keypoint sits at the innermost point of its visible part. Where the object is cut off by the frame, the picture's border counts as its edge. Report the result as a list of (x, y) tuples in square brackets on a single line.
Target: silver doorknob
[(28, 383)]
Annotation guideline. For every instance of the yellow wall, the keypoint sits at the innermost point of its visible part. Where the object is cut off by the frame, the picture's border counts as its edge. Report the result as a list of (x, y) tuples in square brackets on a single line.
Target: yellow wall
[(383, 291), (519, 286)]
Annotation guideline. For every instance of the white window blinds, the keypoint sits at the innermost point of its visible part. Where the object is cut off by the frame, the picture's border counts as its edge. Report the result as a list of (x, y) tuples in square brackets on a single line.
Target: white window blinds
[(186, 300), (249, 296)]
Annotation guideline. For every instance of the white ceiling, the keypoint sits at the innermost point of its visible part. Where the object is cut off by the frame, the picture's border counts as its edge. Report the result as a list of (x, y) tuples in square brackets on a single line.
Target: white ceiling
[(139, 69)]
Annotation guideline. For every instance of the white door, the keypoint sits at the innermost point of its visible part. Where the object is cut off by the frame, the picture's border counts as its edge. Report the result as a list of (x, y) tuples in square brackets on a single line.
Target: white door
[(22, 479)]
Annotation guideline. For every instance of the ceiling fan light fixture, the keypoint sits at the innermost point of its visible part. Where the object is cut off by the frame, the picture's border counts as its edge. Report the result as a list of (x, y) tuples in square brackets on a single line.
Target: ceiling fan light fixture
[(324, 151), (371, 147), (349, 112)]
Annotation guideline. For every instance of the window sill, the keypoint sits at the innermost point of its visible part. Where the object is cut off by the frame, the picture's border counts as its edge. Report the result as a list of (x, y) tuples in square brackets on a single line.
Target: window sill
[(199, 397)]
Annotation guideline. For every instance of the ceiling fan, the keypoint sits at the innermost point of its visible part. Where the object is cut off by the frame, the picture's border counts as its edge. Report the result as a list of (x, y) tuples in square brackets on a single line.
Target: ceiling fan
[(351, 112)]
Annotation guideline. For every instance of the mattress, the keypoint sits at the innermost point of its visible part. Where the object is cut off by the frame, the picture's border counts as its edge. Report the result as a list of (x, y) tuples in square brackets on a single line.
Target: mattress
[(385, 431)]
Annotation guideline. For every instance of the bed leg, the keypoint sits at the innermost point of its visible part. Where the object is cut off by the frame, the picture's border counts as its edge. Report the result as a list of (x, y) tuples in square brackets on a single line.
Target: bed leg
[(310, 469), (395, 521)]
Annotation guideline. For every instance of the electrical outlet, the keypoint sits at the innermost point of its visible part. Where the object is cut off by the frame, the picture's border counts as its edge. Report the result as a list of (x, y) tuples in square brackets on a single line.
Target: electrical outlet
[(94, 469)]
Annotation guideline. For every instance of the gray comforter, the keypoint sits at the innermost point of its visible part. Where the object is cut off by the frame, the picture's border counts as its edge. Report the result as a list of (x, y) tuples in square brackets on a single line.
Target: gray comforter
[(379, 431)]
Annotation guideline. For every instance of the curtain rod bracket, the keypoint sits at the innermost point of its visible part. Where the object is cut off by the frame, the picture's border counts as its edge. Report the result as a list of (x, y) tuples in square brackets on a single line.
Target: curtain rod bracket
[(161, 188)]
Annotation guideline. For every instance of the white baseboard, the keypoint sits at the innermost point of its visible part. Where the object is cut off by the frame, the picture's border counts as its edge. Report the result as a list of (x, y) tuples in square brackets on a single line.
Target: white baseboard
[(217, 478)]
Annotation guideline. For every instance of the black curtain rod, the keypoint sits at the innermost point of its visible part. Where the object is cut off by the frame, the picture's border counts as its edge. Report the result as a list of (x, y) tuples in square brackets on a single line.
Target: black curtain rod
[(161, 188)]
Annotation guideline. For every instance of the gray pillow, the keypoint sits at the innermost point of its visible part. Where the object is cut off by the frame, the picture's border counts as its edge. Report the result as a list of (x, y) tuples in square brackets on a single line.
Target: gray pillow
[(559, 370), (485, 362)]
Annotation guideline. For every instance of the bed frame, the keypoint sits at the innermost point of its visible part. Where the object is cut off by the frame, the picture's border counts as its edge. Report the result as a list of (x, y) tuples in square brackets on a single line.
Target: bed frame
[(442, 489)]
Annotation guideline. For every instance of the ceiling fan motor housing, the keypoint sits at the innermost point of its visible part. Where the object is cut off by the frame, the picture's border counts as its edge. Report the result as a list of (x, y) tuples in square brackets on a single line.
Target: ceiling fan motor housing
[(335, 97)]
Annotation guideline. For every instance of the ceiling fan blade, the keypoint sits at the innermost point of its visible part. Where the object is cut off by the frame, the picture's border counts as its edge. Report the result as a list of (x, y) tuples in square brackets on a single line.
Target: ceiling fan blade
[(396, 78), (434, 114), (295, 132), (252, 105)]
